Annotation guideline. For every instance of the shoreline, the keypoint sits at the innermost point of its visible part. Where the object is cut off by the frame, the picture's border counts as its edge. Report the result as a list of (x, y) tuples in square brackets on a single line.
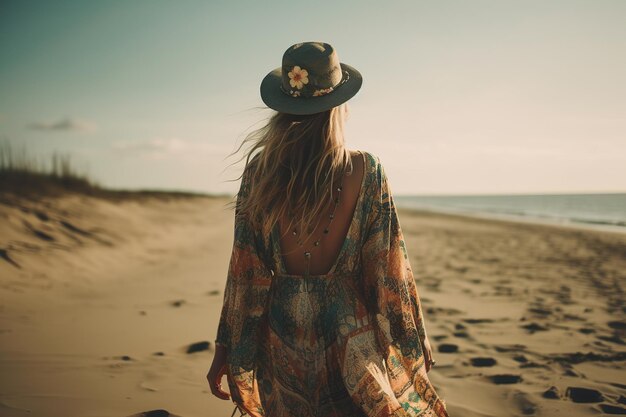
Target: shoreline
[(518, 218)]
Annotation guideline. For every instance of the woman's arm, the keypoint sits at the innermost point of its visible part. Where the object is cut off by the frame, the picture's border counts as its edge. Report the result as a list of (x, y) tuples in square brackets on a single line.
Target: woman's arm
[(391, 291)]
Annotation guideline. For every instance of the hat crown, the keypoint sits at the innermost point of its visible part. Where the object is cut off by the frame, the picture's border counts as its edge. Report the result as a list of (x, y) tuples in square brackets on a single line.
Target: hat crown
[(310, 80), (311, 69)]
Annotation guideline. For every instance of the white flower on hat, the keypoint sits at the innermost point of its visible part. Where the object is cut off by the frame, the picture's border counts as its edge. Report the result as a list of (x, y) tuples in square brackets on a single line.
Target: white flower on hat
[(298, 77)]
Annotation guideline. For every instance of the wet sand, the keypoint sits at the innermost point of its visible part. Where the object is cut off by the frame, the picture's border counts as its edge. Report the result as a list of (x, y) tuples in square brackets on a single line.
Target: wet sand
[(107, 307)]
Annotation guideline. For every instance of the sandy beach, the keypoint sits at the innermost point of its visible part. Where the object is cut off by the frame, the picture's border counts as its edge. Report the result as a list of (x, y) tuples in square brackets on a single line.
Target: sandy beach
[(107, 305)]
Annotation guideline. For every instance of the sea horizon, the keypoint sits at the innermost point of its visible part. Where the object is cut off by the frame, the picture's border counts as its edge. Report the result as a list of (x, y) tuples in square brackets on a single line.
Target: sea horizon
[(599, 211)]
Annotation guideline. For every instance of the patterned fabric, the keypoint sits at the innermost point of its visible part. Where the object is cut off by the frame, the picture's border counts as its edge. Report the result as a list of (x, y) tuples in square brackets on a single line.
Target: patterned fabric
[(347, 343)]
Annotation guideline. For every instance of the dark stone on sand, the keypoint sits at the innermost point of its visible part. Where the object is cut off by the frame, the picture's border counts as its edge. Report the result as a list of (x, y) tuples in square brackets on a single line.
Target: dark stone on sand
[(460, 326), (143, 312), (586, 330), (198, 347), (461, 334), (178, 303), (483, 361), (448, 348), (534, 327), (621, 399), (159, 354), (584, 395), (214, 292), (505, 378), (612, 409), (552, 393)]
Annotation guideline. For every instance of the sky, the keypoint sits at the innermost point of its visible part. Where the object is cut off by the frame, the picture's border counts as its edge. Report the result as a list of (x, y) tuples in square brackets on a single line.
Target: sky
[(458, 97)]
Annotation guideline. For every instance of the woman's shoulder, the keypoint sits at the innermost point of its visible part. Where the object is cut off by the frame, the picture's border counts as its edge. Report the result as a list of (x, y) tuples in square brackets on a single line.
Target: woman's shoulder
[(375, 181), (373, 167), (372, 160)]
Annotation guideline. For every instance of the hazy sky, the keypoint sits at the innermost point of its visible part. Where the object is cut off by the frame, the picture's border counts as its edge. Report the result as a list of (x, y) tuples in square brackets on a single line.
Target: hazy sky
[(458, 96)]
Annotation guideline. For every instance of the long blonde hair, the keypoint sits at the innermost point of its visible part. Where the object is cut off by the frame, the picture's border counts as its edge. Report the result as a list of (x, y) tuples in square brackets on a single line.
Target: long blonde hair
[(296, 170)]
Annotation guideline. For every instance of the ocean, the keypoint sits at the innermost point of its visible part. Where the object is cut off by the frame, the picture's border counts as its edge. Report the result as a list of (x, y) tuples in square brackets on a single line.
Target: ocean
[(597, 211)]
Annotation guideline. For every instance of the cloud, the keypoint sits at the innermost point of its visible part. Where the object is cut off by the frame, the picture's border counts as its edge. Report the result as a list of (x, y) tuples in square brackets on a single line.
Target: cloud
[(159, 148), (66, 125)]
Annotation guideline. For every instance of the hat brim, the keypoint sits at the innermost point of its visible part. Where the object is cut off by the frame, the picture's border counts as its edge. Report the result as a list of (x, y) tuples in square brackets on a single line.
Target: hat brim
[(273, 96)]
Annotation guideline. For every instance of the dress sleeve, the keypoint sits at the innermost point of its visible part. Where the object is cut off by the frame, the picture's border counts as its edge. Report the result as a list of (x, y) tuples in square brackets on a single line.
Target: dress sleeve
[(245, 300), (390, 289)]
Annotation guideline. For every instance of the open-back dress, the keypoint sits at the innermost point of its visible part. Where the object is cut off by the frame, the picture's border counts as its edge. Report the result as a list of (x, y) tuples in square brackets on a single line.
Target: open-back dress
[(346, 343)]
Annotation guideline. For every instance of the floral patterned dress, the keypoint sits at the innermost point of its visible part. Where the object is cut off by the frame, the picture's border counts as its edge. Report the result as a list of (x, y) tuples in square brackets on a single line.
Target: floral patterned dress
[(347, 343)]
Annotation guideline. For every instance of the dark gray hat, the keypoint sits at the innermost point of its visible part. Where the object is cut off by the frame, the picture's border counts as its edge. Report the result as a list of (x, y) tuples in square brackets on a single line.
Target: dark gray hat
[(311, 80)]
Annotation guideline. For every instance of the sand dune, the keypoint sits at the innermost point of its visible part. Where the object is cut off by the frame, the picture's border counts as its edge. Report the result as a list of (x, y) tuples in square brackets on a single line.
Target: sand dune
[(108, 305)]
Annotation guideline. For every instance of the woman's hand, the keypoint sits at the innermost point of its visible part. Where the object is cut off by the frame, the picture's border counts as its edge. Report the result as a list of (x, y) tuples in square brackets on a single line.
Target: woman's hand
[(217, 371), (428, 353)]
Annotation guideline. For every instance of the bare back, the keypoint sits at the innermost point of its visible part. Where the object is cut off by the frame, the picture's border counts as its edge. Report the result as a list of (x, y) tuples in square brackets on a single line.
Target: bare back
[(323, 257)]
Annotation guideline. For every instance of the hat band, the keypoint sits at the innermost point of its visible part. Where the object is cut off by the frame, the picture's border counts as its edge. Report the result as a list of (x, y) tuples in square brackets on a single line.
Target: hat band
[(321, 91)]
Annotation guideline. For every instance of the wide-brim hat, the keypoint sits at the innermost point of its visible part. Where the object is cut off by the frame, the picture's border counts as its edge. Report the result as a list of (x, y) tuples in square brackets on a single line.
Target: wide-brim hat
[(310, 80)]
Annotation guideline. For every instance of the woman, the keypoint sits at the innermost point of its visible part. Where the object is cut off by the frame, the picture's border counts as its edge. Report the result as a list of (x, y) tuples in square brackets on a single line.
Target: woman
[(321, 314)]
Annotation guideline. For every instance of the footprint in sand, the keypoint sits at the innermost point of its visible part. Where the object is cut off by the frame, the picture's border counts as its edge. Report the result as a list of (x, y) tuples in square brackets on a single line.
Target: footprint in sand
[(143, 385), (448, 348), (620, 326), (476, 321), (124, 358), (482, 361), (612, 409), (198, 347), (584, 395), (534, 327), (520, 358), (505, 378), (524, 403), (551, 393), (155, 413)]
